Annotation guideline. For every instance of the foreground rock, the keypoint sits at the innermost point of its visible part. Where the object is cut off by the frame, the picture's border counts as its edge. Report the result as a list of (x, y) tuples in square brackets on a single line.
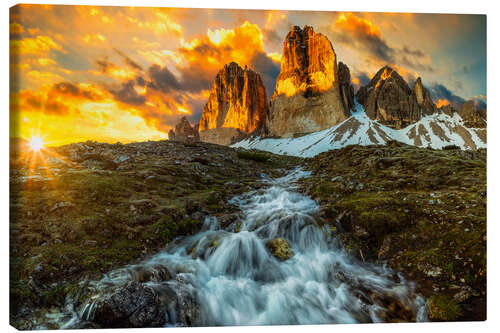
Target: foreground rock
[(389, 99), (309, 96), (237, 106), (280, 248), (184, 132)]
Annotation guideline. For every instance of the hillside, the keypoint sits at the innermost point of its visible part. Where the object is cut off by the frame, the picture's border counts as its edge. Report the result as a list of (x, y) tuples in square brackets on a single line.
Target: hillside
[(421, 211)]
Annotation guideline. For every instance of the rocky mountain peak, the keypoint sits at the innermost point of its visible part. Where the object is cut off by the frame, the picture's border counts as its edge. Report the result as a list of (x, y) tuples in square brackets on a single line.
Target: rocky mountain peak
[(389, 99), (237, 105), (423, 98), (184, 132), (307, 96)]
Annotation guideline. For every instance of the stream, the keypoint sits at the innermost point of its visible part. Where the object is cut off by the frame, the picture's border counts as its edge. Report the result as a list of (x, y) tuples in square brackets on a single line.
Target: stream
[(230, 277)]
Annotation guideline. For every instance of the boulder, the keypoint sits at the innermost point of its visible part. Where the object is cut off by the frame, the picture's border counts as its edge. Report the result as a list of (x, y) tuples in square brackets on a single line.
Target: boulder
[(280, 248)]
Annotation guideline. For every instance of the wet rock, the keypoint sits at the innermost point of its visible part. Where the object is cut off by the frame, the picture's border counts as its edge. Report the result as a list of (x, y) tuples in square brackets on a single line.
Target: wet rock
[(133, 305), (280, 248), (61, 205)]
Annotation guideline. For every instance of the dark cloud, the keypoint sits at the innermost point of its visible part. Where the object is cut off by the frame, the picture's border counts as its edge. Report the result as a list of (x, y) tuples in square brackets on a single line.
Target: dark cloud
[(268, 70), (162, 79), (408, 62), (415, 53), (104, 65), (372, 44), (439, 91), (34, 101), (55, 107), (363, 78), (127, 94), (67, 88), (196, 78), (271, 36), (128, 60)]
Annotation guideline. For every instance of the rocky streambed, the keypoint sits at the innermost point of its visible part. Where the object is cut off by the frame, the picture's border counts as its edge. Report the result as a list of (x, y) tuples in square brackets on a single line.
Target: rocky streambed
[(275, 264), (146, 234)]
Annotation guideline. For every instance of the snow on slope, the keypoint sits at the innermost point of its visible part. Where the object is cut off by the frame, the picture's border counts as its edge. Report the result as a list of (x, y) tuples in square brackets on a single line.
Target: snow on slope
[(434, 131)]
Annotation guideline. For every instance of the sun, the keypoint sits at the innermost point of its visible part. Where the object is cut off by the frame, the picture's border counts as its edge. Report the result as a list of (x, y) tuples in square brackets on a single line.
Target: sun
[(36, 143)]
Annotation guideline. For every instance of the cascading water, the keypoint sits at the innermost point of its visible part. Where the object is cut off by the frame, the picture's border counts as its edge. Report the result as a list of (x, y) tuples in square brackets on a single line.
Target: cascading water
[(230, 277)]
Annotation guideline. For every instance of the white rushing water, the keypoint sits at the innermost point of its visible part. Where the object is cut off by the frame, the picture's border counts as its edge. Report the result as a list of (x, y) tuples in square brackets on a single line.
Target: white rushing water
[(235, 279)]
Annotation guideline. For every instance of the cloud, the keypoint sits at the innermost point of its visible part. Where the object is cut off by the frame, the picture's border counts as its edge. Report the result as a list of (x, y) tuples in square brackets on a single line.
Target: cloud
[(440, 92), (361, 34), (73, 90), (128, 60), (268, 69), (128, 95), (161, 78), (366, 38), (204, 55), (40, 46), (15, 29)]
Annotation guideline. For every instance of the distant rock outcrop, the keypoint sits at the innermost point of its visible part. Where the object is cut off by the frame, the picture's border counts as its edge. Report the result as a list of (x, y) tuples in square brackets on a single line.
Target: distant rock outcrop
[(308, 96), (237, 105), (346, 88), (389, 99), (184, 132), (423, 98), (471, 116)]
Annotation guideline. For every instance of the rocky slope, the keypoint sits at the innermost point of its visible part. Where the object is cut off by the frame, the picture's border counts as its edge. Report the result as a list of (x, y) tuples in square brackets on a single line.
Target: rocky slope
[(309, 95), (472, 116), (421, 211), (436, 131), (237, 105), (87, 208), (184, 132), (389, 99)]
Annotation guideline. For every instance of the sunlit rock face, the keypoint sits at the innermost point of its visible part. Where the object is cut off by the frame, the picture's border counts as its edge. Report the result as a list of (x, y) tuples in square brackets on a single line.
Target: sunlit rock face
[(307, 97), (184, 132), (237, 105), (389, 99)]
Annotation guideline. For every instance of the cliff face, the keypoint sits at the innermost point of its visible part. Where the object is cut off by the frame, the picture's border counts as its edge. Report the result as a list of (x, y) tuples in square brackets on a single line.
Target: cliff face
[(423, 98), (389, 99), (307, 97), (237, 105)]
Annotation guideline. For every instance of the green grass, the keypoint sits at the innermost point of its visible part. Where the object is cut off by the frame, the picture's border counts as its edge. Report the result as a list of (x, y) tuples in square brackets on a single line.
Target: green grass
[(253, 155)]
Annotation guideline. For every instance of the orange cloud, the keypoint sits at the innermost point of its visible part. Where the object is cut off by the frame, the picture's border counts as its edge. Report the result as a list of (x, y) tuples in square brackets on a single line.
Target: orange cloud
[(442, 102), (15, 28), (41, 45), (358, 25)]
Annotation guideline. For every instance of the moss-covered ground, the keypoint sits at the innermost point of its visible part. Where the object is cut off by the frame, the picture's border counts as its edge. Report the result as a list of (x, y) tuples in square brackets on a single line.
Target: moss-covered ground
[(421, 211)]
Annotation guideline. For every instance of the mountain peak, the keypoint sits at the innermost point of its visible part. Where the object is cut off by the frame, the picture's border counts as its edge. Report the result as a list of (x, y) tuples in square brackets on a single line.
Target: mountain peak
[(307, 96), (389, 99), (237, 105)]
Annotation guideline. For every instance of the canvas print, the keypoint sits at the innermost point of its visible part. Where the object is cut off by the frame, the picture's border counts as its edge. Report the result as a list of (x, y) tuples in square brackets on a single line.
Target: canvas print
[(215, 167)]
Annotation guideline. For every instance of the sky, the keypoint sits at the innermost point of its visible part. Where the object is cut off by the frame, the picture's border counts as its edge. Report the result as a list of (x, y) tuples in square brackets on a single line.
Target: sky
[(128, 74)]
